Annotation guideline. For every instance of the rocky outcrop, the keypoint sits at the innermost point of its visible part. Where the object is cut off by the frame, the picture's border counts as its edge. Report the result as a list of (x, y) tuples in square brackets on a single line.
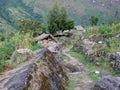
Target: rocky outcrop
[(90, 48), (42, 72), (108, 83), (21, 56), (115, 60)]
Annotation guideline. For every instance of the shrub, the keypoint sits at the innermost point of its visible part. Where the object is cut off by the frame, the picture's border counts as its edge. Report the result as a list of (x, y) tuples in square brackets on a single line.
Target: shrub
[(35, 46), (69, 24), (6, 51), (2, 37), (106, 31), (93, 20), (22, 40), (30, 26), (113, 44)]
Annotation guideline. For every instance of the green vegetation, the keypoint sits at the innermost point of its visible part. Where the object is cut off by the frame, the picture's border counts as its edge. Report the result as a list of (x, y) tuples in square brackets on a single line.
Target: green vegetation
[(31, 26), (53, 19), (80, 11), (108, 35), (6, 50), (28, 29), (93, 20), (91, 67), (71, 85), (22, 40), (16, 41), (25, 21), (11, 11), (103, 30), (58, 20), (113, 45)]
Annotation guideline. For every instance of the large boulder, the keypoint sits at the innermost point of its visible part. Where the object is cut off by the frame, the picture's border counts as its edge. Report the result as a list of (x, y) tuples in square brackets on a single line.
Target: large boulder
[(42, 72), (108, 83)]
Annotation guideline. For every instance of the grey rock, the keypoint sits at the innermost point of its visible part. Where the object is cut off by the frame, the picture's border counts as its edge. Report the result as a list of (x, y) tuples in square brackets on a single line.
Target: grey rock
[(43, 73), (108, 83), (115, 60)]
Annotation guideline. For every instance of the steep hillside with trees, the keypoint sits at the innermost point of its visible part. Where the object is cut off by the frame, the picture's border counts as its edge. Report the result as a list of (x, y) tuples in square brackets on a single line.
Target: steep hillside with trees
[(79, 10)]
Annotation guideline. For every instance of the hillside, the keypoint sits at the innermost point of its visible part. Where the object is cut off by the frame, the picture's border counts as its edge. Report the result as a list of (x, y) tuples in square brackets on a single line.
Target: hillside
[(75, 62), (57, 53), (78, 10), (11, 11), (81, 10)]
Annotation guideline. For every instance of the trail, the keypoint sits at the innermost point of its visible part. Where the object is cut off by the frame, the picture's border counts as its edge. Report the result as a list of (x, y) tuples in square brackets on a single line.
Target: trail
[(80, 79)]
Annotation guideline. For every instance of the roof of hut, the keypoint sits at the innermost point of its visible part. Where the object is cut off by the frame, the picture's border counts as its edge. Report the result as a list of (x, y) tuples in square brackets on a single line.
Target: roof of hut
[(45, 36)]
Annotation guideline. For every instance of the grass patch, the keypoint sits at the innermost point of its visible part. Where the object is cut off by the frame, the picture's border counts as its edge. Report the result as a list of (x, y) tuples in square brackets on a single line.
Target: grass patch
[(6, 51), (103, 30), (71, 85), (91, 67), (113, 45), (104, 65)]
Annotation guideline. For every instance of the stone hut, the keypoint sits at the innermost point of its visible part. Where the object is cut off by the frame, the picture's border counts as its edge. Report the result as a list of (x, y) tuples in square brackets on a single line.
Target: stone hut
[(46, 40)]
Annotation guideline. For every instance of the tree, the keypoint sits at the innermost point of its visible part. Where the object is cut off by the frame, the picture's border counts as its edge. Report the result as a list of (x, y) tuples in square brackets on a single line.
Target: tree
[(58, 20), (93, 20), (69, 24), (53, 19), (63, 18)]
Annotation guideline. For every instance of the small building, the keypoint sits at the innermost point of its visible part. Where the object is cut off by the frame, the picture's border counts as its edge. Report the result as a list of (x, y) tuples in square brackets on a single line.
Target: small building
[(79, 27), (46, 40)]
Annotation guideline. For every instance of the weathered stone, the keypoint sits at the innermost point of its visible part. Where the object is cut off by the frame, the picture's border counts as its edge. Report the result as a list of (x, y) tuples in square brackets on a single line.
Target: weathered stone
[(108, 83), (43, 73), (20, 56), (25, 51), (104, 73), (72, 68), (115, 60)]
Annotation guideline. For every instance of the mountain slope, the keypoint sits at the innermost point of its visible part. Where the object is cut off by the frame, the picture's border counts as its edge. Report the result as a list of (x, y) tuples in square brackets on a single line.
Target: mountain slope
[(81, 10), (78, 10), (11, 11)]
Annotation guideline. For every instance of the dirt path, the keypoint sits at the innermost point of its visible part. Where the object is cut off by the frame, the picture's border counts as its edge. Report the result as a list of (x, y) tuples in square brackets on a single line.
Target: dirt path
[(80, 79)]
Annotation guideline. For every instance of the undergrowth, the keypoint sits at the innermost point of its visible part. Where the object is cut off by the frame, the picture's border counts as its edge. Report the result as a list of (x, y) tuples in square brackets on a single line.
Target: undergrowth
[(14, 42)]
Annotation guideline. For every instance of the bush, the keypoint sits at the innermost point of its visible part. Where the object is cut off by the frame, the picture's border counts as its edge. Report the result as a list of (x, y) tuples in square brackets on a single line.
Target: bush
[(93, 20), (22, 40), (113, 44), (69, 24), (6, 51), (35, 46), (106, 31), (2, 37), (31, 26)]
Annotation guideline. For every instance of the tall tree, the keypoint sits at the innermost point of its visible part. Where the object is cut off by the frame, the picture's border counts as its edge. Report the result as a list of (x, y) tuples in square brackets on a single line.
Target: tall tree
[(53, 19), (58, 20), (63, 18), (69, 24)]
